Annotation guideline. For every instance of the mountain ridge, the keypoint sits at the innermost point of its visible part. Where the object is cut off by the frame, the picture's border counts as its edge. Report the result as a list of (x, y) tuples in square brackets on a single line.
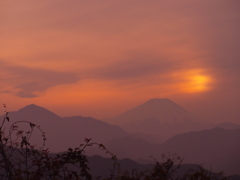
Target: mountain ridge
[(62, 133), (217, 148)]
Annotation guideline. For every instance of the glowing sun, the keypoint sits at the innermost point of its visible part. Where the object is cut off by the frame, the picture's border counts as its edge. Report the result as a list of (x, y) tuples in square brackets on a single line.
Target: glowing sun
[(193, 81), (198, 83)]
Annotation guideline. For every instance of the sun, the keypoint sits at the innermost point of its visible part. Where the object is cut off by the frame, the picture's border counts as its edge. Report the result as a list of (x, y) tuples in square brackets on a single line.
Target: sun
[(198, 83), (194, 81)]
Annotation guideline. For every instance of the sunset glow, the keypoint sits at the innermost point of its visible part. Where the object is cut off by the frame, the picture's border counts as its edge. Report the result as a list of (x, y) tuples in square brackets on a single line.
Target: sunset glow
[(195, 82), (199, 83), (102, 58)]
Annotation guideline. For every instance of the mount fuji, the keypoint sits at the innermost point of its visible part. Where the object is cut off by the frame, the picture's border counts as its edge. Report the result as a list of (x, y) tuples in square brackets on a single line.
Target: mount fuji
[(161, 118)]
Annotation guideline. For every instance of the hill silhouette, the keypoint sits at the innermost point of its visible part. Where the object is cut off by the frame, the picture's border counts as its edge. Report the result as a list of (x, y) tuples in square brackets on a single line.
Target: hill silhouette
[(66, 132), (228, 125), (218, 149)]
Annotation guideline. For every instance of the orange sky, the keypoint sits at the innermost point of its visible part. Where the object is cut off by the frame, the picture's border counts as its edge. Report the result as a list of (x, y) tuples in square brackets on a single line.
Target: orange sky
[(101, 58)]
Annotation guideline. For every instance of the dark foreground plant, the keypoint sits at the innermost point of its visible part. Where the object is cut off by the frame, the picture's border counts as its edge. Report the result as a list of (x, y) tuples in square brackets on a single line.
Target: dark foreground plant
[(203, 174)]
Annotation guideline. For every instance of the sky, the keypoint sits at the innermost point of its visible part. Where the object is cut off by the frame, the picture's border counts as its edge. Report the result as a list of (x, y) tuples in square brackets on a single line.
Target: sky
[(101, 58)]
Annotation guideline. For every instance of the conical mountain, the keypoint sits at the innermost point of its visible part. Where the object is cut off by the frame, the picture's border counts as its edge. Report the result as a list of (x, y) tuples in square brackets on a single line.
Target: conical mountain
[(34, 113), (161, 118), (160, 110)]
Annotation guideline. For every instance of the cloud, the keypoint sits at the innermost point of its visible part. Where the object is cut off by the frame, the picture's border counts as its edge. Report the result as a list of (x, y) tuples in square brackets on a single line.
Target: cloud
[(135, 67), (146, 71), (28, 82)]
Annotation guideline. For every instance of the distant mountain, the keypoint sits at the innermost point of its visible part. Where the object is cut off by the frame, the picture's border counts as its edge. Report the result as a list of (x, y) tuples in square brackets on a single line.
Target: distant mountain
[(34, 113), (162, 110), (126, 147), (62, 133), (217, 149), (161, 118), (227, 125), (104, 166)]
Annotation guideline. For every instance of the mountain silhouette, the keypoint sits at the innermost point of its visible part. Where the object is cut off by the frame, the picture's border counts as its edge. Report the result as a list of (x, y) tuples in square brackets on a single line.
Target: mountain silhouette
[(162, 110), (228, 125), (217, 149), (36, 113), (103, 167), (62, 133), (161, 118), (126, 147)]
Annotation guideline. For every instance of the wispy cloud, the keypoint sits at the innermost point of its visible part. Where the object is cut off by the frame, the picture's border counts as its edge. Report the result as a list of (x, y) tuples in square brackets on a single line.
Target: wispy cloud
[(28, 82), (136, 67)]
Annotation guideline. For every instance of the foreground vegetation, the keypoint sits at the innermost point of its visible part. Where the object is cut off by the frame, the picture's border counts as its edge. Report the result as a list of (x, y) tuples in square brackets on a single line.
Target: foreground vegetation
[(20, 160)]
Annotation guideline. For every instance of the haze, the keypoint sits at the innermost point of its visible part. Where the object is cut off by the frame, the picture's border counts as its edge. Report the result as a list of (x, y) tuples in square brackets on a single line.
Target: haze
[(101, 58)]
